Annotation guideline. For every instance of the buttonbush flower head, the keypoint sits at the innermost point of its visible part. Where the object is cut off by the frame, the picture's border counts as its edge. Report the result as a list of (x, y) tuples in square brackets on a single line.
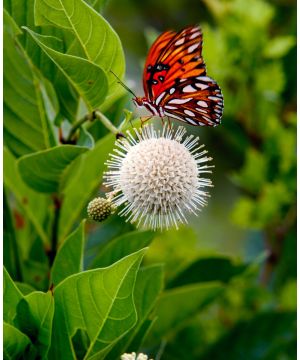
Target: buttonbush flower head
[(99, 209), (133, 356), (157, 176)]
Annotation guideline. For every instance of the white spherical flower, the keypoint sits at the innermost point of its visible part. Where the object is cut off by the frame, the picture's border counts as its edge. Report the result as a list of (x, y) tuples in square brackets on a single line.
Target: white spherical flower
[(133, 356), (158, 176)]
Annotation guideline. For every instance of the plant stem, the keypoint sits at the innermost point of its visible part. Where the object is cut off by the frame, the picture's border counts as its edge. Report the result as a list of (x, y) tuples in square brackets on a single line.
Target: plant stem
[(76, 126), (106, 122), (54, 238)]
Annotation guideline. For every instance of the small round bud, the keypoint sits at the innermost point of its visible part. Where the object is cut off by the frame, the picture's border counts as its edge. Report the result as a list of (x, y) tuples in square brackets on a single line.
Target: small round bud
[(99, 209)]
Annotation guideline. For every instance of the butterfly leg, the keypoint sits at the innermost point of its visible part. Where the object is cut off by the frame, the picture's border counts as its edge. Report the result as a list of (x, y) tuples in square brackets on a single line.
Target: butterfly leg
[(169, 122), (145, 119)]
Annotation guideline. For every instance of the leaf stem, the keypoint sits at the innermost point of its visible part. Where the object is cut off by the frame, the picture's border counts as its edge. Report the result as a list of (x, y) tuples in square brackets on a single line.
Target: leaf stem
[(106, 122), (76, 126)]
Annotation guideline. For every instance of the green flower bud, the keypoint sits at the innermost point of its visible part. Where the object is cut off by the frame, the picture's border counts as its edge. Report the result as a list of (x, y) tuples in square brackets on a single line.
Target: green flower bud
[(99, 209)]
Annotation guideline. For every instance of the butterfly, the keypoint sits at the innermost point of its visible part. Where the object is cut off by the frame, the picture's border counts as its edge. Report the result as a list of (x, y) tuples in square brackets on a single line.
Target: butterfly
[(175, 81)]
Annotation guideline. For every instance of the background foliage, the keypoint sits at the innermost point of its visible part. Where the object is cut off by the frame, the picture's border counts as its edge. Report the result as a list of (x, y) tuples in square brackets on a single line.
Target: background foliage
[(223, 287)]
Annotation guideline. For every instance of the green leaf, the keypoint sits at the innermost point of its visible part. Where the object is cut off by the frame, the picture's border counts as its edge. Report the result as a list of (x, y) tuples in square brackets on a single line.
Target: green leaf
[(279, 46), (44, 170), (24, 288), (11, 298), (26, 197), (97, 40), (34, 318), (267, 336), (177, 305), (149, 284), (87, 78), (14, 342), (207, 269), (26, 124), (11, 254), (99, 302), (69, 259), (123, 246), (97, 4)]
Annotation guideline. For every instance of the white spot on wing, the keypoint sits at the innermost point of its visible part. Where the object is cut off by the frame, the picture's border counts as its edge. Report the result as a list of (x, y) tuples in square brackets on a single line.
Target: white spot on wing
[(191, 121), (179, 42), (192, 48), (188, 112), (201, 86), (172, 90), (158, 100), (173, 116), (205, 79), (188, 89), (202, 103), (215, 98), (170, 107), (179, 101), (195, 35)]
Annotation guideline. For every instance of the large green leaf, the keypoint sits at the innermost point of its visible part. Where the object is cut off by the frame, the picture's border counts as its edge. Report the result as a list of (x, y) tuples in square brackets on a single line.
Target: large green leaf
[(87, 77), (27, 125), (148, 285), (69, 259), (34, 318), (177, 305), (122, 246), (44, 170), (100, 303), (97, 40), (206, 270), (14, 342), (28, 199), (11, 298)]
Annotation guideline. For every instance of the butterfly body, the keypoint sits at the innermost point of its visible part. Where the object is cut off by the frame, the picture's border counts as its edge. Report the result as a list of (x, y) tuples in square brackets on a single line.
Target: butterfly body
[(175, 81)]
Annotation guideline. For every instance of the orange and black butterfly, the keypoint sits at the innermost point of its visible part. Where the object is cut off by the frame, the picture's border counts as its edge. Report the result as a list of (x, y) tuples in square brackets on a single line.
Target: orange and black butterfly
[(175, 81)]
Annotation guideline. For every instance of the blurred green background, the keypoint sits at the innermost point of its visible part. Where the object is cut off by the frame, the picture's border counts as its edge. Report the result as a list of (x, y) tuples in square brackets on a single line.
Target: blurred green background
[(250, 49), (246, 236)]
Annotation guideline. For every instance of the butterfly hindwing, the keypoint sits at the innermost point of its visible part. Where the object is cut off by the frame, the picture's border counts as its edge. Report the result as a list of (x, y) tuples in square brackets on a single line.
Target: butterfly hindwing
[(197, 101)]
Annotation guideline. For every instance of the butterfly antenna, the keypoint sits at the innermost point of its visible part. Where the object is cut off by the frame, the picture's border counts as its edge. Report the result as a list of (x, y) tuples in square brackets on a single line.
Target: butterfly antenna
[(121, 83)]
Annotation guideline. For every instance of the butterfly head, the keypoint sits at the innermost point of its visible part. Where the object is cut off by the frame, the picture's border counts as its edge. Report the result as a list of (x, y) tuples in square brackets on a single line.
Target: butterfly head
[(139, 101)]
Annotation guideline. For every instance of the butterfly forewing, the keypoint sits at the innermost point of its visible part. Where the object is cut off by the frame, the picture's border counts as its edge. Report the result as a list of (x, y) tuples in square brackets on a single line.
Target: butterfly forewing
[(175, 79)]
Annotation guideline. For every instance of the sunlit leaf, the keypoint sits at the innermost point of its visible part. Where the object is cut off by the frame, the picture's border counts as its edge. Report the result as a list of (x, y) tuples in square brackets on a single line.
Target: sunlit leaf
[(87, 78), (97, 40), (148, 286), (99, 302)]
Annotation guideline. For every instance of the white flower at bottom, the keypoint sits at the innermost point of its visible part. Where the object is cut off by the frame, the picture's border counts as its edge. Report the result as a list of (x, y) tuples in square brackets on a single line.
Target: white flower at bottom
[(157, 176), (133, 356)]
